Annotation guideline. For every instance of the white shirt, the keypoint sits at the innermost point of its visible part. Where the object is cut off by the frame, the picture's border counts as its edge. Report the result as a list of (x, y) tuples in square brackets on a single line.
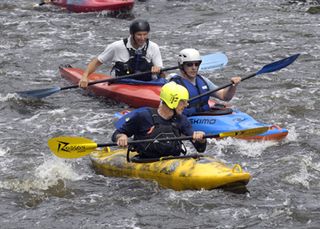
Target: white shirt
[(117, 51)]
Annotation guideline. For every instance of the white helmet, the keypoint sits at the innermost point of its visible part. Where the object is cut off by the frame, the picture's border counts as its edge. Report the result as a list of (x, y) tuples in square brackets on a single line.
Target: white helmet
[(189, 55)]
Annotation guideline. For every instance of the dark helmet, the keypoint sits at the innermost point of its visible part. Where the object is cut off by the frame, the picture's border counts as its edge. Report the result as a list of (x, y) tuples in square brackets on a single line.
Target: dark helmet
[(139, 25)]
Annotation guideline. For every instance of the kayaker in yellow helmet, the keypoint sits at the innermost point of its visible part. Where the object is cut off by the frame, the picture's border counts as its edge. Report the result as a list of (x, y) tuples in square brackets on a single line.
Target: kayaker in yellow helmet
[(130, 55), (165, 121), (189, 61)]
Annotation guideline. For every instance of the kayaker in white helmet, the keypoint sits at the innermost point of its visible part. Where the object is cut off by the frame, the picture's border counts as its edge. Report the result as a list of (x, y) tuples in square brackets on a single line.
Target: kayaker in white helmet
[(189, 61), (130, 55), (165, 122)]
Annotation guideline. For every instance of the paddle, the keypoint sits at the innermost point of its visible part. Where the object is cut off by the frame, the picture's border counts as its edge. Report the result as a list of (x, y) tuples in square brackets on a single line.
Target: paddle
[(275, 66), (75, 147), (210, 62)]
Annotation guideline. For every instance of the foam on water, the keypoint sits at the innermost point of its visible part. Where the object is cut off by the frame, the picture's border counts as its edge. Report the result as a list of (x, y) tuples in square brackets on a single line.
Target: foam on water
[(8, 97), (53, 172), (42, 42), (302, 177), (3, 151), (186, 195), (292, 135), (72, 54), (243, 147), (54, 169), (3, 159)]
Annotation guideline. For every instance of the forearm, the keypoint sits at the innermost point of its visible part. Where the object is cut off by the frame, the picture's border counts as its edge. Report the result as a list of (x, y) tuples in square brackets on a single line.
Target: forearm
[(92, 66), (229, 92)]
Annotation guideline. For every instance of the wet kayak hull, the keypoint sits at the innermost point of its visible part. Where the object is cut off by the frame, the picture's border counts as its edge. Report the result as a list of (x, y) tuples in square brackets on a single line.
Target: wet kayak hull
[(177, 174), (237, 120)]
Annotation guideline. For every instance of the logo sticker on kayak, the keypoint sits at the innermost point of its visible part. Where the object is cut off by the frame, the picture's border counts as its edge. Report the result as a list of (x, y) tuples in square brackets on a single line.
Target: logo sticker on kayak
[(205, 121)]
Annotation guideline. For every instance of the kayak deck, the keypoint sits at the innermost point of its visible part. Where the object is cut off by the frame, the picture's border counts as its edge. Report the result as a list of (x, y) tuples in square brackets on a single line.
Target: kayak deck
[(177, 174)]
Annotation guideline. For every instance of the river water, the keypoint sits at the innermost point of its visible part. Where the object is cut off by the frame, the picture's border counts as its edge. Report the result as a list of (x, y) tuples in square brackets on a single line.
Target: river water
[(39, 190)]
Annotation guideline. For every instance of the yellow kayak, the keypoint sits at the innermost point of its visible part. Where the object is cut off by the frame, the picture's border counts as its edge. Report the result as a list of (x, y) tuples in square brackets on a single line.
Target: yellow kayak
[(185, 173)]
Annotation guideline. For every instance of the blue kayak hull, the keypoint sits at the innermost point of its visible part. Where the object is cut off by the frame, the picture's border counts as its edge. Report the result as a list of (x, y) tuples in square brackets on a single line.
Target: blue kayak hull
[(237, 120)]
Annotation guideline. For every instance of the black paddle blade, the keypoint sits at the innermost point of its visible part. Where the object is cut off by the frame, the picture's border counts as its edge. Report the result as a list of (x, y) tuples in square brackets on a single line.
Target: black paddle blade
[(275, 66), (38, 94)]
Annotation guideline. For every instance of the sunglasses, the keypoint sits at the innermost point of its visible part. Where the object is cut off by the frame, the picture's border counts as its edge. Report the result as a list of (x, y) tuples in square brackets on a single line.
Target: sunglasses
[(190, 64)]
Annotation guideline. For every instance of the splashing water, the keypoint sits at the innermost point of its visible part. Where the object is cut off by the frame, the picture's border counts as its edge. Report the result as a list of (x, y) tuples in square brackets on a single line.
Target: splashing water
[(53, 172)]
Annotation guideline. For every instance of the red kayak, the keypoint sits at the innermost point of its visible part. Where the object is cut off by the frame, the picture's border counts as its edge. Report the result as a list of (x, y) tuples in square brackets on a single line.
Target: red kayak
[(135, 93), (80, 6)]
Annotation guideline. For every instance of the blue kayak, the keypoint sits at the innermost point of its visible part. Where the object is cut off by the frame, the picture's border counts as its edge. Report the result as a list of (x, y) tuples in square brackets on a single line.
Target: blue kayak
[(236, 120), (220, 120)]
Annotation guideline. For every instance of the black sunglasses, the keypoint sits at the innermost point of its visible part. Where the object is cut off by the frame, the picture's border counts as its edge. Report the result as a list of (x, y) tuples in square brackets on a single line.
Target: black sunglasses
[(190, 64)]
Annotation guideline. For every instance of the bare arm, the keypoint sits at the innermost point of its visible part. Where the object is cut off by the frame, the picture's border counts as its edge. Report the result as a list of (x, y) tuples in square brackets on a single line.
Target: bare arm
[(92, 66), (157, 62), (227, 94)]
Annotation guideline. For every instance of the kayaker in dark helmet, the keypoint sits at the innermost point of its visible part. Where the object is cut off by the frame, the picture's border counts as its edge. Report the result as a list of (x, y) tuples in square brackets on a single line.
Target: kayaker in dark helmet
[(166, 121), (189, 61), (130, 55)]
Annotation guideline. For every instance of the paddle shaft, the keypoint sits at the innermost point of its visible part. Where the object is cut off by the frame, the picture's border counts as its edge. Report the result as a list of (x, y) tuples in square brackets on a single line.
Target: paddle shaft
[(253, 131), (221, 87), (160, 140), (119, 78), (274, 66), (75, 147)]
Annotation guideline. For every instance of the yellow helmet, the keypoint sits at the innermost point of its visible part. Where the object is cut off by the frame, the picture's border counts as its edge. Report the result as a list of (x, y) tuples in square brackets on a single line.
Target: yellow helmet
[(171, 93)]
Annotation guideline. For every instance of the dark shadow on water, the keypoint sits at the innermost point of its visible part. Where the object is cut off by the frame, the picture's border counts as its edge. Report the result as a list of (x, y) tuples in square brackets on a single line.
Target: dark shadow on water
[(237, 188), (127, 15), (34, 199), (27, 106)]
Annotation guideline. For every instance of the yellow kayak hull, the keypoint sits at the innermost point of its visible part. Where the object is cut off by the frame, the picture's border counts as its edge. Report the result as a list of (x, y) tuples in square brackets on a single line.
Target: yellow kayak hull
[(177, 174)]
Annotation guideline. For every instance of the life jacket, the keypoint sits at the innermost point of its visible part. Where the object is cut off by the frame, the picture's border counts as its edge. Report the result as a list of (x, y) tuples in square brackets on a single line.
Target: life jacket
[(137, 63), (160, 130), (197, 105)]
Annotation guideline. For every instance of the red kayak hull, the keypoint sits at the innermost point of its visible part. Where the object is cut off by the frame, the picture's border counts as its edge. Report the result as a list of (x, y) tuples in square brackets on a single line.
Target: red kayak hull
[(133, 95), (82, 6)]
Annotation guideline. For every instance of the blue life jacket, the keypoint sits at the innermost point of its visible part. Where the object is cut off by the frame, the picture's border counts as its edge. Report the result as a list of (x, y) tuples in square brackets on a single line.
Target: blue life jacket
[(159, 130), (137, 63), (197, 105)]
